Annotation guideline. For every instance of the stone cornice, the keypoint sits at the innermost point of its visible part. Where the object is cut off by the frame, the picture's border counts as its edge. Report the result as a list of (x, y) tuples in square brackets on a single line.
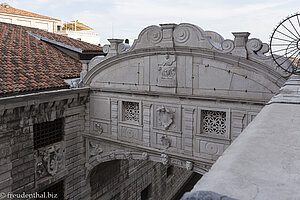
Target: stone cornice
[(41, 103)]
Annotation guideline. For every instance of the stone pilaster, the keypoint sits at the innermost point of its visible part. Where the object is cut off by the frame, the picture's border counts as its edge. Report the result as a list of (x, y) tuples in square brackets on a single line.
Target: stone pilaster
[(187, 134), (146, 123), (167, 37), (240, 40), (114, 118), (237, 123)]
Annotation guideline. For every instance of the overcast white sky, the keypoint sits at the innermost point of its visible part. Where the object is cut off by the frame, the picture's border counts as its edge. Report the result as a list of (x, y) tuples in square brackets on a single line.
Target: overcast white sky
[(126, 19)]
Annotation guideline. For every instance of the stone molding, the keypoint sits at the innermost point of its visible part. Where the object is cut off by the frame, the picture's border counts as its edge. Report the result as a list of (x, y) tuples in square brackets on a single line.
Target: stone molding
[(205, 195), (42, 110), (254, 62), (191, 36), (100, 151)]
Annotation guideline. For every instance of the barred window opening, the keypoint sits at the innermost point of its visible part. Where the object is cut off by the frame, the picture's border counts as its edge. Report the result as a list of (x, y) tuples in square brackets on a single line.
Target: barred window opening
[(46, 133), (147, 193), (131, 111), (213, 122), (55, 191), (104, 174)]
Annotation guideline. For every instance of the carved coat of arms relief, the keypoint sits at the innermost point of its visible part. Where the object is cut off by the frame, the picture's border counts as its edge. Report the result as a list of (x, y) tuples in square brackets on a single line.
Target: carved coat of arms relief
[(49, 160), (165, 117)]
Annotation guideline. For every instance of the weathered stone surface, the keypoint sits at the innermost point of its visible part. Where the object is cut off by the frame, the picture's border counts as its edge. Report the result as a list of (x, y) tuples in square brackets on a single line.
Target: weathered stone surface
[(178, 97), (262, 163), (204, 195)]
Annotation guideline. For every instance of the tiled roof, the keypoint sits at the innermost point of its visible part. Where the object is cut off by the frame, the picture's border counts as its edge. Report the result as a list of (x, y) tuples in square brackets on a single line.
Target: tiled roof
[(28, 64), (66, 40), (5, 8)]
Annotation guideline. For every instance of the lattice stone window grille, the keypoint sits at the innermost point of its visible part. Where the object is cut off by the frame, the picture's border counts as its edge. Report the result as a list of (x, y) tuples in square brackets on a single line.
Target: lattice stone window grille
[(46, 133), (131, 111), (213, 122)]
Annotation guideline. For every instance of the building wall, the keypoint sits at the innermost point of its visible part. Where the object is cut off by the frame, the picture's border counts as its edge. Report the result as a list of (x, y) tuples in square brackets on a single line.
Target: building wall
[(86, 36), (25, 169), (134, 178), (44, 24)]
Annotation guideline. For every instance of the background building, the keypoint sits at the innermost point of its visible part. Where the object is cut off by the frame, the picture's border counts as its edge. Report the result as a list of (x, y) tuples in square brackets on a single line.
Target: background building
[(12, 15), (73, 29)]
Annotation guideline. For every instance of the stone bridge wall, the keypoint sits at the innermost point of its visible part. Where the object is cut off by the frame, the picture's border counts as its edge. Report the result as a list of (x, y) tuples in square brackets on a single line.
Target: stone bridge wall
[(179, 96), (179, 92)]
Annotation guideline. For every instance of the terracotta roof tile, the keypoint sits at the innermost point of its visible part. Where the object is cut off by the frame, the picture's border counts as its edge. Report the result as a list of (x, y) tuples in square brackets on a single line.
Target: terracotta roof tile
[(66, 40), (5, 8), (28, 64)]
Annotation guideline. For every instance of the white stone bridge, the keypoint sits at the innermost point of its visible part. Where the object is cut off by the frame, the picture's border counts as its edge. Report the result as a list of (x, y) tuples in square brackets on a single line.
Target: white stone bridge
[(179, 95)]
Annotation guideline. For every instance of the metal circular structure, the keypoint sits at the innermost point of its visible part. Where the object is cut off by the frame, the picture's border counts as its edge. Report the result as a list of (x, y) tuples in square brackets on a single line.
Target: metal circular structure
[(285, 44)]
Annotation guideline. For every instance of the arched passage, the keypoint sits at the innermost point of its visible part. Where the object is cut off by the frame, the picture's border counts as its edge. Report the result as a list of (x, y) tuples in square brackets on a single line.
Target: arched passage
[(136, 179)]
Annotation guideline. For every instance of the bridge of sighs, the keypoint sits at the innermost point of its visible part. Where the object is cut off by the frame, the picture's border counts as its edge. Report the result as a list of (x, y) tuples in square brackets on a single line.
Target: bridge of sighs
[(179, 95)]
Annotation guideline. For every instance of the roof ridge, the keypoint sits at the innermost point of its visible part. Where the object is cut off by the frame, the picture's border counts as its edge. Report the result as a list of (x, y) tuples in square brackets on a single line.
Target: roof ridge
[(78, 50), (6, 8)]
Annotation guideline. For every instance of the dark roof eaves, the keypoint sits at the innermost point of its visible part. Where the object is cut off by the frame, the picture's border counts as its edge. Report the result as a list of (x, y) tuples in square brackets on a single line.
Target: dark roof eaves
[(77, 50)]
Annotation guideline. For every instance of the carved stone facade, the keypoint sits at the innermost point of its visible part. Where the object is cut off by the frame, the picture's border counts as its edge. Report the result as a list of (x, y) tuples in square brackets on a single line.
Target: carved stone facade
[(31, 170), (167, 71), (213, 122), (194, 93), (179, 96), (49, 160)]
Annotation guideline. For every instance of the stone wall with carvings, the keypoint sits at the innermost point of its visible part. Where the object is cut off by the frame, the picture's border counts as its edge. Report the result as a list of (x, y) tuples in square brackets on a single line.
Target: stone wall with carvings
[(180, 93), (25, 168), (192, 129), (186, 60)]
